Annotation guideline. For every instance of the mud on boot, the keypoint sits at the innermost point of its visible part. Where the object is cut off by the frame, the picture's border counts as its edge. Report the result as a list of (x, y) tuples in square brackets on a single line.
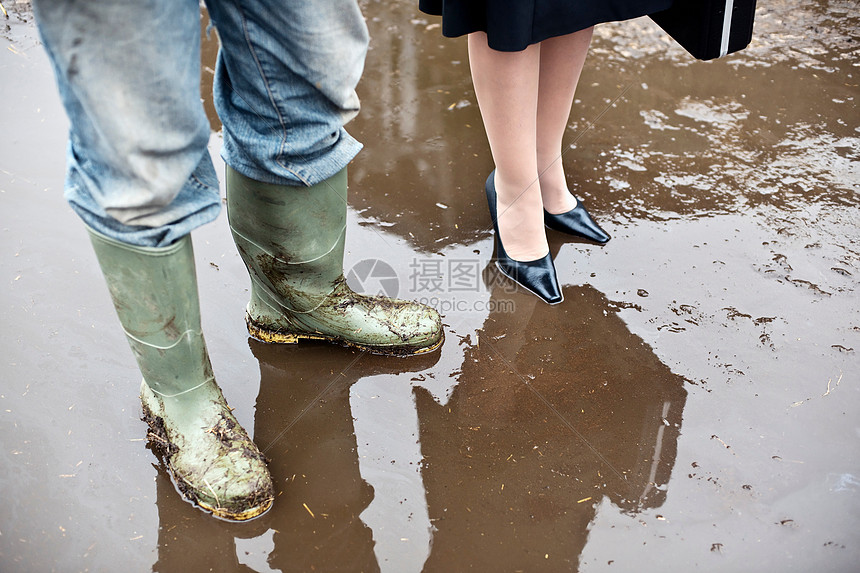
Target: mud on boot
[(291, 240), (214, 462)]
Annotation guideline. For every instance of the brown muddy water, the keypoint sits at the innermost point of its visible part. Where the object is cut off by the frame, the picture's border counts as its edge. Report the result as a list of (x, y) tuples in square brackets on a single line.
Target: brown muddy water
[(693, 405)]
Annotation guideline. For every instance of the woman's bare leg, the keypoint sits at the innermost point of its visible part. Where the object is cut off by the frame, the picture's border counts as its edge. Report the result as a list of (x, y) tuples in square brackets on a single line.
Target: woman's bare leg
[(561, 61), (506, 85)]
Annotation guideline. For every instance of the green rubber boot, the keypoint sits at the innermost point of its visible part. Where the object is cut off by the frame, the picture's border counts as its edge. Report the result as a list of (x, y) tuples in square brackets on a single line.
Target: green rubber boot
[(214, 462), (292, 242)]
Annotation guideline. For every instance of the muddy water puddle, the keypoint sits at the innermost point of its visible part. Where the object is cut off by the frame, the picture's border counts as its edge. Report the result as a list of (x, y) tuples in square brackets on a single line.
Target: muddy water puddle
[(693, 403)]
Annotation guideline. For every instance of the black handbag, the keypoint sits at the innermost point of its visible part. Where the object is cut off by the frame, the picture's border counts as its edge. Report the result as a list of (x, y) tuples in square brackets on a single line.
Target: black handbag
[(709, 29)]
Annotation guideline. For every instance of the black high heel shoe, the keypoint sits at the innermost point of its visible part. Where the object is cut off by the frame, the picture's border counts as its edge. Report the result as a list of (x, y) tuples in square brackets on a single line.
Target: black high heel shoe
[(576, 222), (536, 276)]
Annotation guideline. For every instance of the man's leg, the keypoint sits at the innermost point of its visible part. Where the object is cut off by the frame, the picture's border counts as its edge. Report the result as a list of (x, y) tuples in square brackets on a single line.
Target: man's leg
[(284, 88), (140, 176), (128, 74)]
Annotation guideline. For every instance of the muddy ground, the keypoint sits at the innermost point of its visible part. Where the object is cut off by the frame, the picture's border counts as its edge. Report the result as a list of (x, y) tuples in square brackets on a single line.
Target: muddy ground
[(693, 405)]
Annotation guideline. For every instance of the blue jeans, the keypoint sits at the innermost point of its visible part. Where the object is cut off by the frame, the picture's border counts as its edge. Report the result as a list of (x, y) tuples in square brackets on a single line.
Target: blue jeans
[(128, 73)]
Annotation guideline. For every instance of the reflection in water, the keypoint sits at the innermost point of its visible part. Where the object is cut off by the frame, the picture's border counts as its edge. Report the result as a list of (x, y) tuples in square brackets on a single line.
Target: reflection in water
[(553, 411), (305, 427), (421, 173), (390, 460), (190, 540), (767, 134), (557, 408), (303, 424)]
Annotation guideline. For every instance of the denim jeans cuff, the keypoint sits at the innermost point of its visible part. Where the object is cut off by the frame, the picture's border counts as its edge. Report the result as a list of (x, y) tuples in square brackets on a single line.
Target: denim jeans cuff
[(306, 174)]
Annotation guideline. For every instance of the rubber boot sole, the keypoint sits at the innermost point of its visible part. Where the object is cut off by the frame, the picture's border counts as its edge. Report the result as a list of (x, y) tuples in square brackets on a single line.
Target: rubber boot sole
[(263, 334)]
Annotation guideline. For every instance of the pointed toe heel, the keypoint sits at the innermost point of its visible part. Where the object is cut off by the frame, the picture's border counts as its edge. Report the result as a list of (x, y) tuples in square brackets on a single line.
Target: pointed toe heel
[(538, 276), (577, 222)]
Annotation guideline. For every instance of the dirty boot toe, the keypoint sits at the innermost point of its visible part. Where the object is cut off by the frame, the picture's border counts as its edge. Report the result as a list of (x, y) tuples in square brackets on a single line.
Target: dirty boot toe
[(214, 462)]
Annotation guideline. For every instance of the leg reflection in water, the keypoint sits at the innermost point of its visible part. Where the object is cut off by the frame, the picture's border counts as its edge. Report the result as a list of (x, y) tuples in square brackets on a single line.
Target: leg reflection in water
[(190, 540), (304, 424), (556, 409)]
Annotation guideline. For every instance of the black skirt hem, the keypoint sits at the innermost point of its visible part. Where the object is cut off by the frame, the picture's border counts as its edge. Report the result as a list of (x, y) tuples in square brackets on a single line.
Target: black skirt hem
[(514, 25)]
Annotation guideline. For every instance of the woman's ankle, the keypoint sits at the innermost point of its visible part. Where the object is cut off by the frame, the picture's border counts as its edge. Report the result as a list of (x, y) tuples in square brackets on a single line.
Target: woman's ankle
[(520, 223), (554, 193), (557, 201)]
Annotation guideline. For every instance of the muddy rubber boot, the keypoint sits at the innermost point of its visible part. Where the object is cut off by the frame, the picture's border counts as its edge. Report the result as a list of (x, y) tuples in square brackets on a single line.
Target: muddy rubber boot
[(292, 242), (214, 462)]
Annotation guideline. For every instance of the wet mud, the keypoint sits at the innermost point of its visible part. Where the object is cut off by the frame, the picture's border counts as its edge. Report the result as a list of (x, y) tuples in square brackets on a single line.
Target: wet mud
[(692, 405), (167, 444), (157, 439)]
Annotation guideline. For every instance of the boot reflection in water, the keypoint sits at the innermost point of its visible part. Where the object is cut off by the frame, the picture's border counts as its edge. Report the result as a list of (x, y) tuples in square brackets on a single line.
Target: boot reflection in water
[(189, 540), (304, 423), (140, 176), (558, 408)]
